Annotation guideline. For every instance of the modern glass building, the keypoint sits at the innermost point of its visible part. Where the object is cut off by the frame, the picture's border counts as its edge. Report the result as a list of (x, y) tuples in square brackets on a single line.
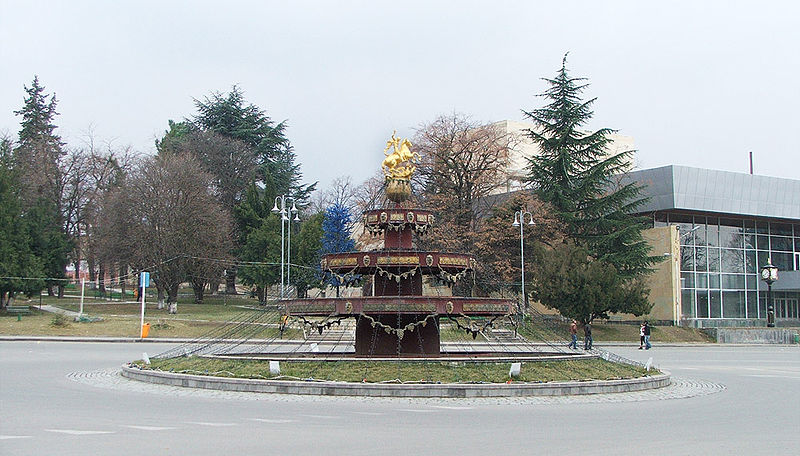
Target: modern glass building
[(722, 227)]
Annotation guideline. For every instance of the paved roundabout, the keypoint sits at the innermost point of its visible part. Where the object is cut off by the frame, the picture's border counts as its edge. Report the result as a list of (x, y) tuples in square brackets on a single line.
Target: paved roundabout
[(70, 399)]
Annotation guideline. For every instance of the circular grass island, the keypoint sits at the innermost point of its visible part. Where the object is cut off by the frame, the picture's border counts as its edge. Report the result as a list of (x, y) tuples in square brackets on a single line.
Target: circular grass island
[(399, 377)]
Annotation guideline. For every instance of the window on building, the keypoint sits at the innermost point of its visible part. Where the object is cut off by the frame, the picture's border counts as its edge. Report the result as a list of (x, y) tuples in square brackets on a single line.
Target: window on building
[(715, 303), (701, 297), (781, 243), (733, 303), (781, 229), (752, 304)]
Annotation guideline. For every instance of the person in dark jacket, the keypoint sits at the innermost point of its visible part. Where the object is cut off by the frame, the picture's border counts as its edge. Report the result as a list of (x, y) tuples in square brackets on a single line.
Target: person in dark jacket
[(647, 336), (587, 336), (641, 336)]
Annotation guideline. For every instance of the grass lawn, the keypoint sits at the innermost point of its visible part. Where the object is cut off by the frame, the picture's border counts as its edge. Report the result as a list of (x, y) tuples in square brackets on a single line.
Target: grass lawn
[(381, 371), (121, 318)]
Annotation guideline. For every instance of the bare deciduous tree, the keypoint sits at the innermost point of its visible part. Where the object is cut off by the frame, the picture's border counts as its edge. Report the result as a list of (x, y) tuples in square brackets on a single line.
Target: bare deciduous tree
[(165, 219), (462, 162), (342, 192)]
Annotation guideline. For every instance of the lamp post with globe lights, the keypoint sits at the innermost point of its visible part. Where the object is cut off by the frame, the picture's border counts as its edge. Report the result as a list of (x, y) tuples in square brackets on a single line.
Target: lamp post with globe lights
[(519, 220), (286, 246), (769, 274)]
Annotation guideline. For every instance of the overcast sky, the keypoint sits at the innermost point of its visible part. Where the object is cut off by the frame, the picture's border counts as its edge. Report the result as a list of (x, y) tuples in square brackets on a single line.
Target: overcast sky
[(697, 83)]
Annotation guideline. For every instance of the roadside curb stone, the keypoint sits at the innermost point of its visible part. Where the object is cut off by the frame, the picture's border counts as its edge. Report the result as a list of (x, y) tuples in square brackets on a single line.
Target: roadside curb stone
[(446, 390), (679, 388)]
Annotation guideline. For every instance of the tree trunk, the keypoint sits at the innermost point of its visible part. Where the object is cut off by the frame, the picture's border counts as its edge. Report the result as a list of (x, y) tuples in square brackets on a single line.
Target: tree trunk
[(60, 291), (172, 299), (122, 283), (161, 297), (261, 294), (230, 281), (198, 286), (92, 272), (102, 278)]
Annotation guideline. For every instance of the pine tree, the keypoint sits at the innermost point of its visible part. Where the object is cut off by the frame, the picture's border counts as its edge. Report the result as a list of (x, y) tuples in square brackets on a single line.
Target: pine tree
[(36, 164), (306, 248), (250, 132), (575, 174), (232, 117), (337, 228), (39, 148), (17, 259)]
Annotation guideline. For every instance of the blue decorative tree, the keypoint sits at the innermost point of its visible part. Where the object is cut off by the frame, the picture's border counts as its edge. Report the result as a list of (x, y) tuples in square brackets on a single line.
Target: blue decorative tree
[(337, 227)]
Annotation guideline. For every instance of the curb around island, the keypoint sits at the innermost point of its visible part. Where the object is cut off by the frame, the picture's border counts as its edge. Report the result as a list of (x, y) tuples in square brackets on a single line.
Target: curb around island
[(427, 390)]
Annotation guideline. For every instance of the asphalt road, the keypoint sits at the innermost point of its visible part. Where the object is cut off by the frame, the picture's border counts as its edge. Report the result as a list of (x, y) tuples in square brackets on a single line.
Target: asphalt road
[(65, 398)]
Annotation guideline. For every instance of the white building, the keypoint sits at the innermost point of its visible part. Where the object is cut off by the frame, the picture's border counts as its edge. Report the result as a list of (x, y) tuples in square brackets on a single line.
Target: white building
[(526, 148)]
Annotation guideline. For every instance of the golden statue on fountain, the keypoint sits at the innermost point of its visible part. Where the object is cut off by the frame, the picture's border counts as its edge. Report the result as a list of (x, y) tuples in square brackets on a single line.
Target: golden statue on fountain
[(398, 166)]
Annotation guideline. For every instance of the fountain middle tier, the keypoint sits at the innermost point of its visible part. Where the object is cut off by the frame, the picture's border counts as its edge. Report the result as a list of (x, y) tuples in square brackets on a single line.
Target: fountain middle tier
[(372, 262), (394, 305)]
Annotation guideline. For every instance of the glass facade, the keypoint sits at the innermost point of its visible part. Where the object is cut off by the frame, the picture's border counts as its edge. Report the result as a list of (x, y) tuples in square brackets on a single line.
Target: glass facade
[(720, 261)]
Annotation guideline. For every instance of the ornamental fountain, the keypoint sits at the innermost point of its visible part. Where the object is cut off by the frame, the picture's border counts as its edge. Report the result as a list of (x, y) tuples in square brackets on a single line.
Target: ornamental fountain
[(395, 324), (395, 318)]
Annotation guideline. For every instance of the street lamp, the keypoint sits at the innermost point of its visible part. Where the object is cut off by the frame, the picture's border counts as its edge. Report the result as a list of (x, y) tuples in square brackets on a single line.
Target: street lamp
[(769, 274), (519, 220), (286, 241)]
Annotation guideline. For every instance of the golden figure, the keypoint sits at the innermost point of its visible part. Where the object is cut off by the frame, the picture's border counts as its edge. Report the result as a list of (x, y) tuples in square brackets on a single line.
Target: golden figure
[(399, 164)]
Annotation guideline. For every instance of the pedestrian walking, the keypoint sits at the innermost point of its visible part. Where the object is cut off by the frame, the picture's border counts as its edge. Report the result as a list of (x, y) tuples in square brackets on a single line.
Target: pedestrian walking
[(587, 336), (647, 336), (641, 336), (573, 332)]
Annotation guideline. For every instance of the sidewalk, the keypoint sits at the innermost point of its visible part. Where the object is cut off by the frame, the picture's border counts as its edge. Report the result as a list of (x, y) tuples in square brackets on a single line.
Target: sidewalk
[(57, 310)]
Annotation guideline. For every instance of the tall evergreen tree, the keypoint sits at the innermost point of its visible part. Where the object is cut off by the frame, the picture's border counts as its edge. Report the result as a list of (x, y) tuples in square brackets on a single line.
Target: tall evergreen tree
[(232, 117), (17, 259), (243, 124), (39, 148), (306, 248), (38, 173), (575, 173), (259, 240)]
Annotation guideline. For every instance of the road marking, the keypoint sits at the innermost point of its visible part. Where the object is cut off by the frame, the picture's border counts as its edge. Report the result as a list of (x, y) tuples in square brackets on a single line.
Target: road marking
[(272, 421), (148, 428), (9, 437), (327, 417), (369, 413), (205, 423), (76, 432), (448, 407)]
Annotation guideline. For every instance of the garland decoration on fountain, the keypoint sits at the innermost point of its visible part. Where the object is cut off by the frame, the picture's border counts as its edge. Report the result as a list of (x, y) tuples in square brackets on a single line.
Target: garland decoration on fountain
[(346, 278), (453, 278), (321, 325), (377, 230), (472, 328), (397, 277), (400, 332)]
